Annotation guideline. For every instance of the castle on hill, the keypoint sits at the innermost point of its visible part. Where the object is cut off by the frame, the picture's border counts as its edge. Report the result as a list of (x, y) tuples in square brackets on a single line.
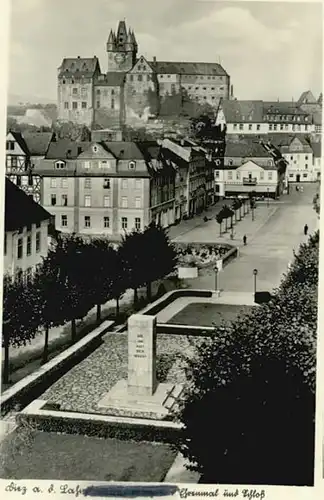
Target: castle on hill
[(133, 89)]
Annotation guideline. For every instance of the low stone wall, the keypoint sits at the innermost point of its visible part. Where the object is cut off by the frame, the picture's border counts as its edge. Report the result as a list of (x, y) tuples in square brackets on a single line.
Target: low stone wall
[(230, 255), (197, 331), (169, 297), (103, 426), (30, 387)]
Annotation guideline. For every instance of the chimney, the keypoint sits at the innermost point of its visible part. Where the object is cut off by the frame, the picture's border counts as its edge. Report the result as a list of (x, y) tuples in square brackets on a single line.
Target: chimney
[(68, 153), (154, 60)]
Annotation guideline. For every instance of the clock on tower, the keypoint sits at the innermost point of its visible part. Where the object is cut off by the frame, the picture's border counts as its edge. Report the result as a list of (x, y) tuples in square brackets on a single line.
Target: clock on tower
[(120, 57)]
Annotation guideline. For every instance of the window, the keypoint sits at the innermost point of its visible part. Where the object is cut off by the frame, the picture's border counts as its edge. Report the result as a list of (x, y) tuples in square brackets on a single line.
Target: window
[(74, 91), (60, 164), (83, 105), (230, 175), (148, 77), (238, 176), (261, 176), (87, 201), (124, 202), (137, 223), (98, 104), (270, 176), (87, 221), (19, 248), (53, 200), (305, 176), (216, 174), (230, 162), (87, 183), (270, 126), (64, 183), (138, 202), (306, 166), (258, 126), (275, 126), (250, 126), (74, 105), (64, 200), (291, 157), (140, 78), (64, 220), (106, 221), (138, 184), (66, 105), (235, 126), (124, 183), (112, 104), (306, 157), (106, 201), (24, 180), (131, 77), (95, 148), (86, 164), (241, 126), (10, 145), (106, 184), (124, 222), (38, 242), (291, 175), (29, 244), (53, 182), (132, 165), (98, 91)]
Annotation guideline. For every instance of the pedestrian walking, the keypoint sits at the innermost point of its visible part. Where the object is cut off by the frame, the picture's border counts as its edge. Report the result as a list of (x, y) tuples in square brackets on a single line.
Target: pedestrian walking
[(244, 240), (305, 230)]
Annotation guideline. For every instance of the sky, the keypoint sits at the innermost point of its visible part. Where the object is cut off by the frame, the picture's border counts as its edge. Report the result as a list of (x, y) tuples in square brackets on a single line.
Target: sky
[(270, 49)]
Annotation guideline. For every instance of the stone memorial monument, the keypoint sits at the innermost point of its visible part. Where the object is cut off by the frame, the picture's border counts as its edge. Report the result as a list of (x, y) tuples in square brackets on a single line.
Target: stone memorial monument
[(141, 394)]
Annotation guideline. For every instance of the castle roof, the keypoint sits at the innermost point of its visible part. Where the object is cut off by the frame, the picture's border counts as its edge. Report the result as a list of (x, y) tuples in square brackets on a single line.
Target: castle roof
[(111, 79), (20, 209), (79, 66), (307, 97), (188, 68)]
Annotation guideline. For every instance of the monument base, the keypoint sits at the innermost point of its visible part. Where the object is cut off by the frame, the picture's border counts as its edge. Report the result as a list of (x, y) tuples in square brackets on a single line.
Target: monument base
[(118, 401)]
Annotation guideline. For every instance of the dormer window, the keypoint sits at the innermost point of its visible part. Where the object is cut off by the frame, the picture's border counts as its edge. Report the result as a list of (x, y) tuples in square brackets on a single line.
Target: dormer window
[(59, 164), (95, 149), (132, 165), (230, 162)]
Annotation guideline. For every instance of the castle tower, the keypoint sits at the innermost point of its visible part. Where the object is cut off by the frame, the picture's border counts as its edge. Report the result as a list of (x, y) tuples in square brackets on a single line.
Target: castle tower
[(121, 49)]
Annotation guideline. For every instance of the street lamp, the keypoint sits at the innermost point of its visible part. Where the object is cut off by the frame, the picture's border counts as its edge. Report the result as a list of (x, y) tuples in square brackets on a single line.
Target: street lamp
[(268, 197), (255, 273), (216, 275)]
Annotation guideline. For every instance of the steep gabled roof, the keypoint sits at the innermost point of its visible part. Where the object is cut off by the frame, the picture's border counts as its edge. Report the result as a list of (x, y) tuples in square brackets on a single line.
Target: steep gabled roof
[(38, 142), (245, 149), (307, 97), (79, 66), (188, 68), (20, 209), (242, 111), (124, 150), (63, 149), (20, 140)]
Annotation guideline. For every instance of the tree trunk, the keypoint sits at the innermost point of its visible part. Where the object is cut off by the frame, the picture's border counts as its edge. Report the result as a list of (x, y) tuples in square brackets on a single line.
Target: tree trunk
[(135, 297), (98, 313), (73, 329), (148, 291), (6, 360), (231, 221), (117, 307), (45, 351), (226, 225), (220, 229), (235, 214)]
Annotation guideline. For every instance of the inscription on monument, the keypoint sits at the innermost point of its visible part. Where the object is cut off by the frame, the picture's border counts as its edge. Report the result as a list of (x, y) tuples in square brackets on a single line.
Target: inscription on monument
[(140, 346)]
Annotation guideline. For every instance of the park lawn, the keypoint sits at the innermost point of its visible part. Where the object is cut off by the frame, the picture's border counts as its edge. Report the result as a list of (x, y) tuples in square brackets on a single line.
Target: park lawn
[(207, 314), (71, 457)]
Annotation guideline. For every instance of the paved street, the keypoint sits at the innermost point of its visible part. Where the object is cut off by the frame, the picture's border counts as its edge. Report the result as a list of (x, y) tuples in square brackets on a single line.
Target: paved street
[(276, 231)]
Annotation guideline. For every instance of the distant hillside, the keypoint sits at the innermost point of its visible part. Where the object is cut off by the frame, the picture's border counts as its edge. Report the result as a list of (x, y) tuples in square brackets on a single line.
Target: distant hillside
[(17, 99)]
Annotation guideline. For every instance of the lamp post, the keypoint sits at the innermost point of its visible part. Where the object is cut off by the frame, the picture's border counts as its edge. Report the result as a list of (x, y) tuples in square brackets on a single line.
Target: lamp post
[(268, 197), (255, 273), (252, 209), (216, 276)]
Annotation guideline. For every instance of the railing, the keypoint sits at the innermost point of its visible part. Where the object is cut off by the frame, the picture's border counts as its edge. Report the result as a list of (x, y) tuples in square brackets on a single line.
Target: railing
[(249, 181)]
